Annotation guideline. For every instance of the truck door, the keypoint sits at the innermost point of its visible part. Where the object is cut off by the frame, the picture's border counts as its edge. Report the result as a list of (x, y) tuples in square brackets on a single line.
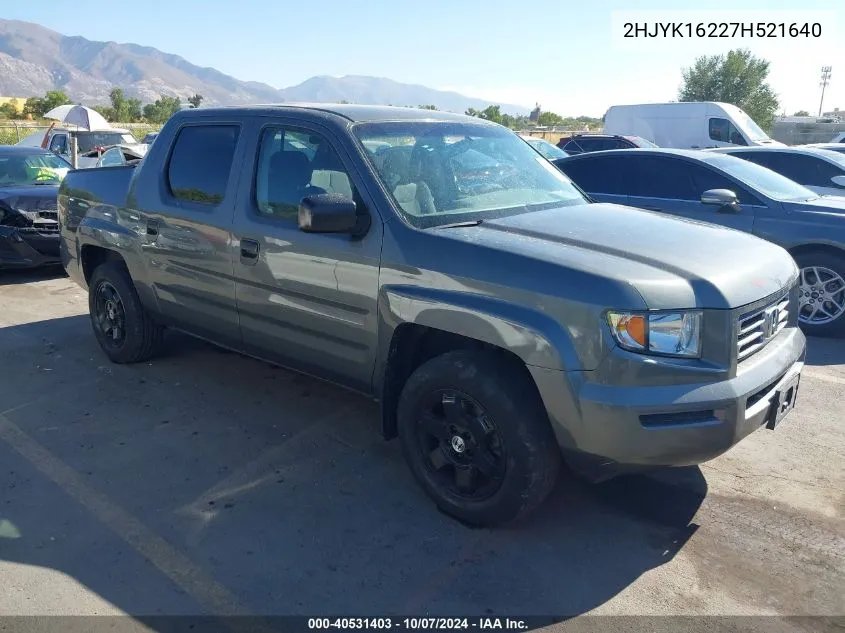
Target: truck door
[(306, 300), (185, 215), (59, 145), (723, 133)]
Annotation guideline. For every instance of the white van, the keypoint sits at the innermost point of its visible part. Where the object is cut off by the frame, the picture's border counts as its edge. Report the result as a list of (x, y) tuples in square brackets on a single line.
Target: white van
[(689, 125)]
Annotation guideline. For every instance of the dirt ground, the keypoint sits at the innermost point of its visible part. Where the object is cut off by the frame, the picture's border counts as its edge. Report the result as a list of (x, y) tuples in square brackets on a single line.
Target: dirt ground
[(208, 483)]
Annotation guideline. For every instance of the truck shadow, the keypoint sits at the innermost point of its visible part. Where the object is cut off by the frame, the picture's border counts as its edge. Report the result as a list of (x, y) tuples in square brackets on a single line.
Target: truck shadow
[(11, 276), (155, 484), (825, 351)]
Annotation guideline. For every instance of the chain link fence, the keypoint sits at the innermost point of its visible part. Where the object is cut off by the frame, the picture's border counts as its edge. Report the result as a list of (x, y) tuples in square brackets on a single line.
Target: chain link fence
[(12, 132)]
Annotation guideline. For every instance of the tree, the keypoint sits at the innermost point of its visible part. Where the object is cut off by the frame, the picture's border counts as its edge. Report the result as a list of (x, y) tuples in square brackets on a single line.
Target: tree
[(196, 100), (38, 107), (427, 107), (549, 119), (8, 111), (162, 109), (738, 78), (801, 113), (472, 112)]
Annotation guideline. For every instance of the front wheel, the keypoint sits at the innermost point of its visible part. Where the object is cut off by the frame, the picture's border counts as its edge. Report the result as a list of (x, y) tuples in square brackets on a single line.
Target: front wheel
[(124, 329), (477, 438), (822, 294)]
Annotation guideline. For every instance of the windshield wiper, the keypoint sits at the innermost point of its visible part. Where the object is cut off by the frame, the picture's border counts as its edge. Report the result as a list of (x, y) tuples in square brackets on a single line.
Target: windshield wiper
[(458, 224)]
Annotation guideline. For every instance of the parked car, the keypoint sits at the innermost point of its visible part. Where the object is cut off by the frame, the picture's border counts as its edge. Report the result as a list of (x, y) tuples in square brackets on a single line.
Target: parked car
[(118, 155), (29, 183), (832, 147), (687, 124), (546, 149), (581, 143), (86, 142), (149, 138), (499, 329), (819, 170), (839, 138), (738, 194)]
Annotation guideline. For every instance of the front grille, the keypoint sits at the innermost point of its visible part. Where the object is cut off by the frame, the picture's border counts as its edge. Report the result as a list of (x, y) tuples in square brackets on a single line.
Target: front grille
[(755, 329)]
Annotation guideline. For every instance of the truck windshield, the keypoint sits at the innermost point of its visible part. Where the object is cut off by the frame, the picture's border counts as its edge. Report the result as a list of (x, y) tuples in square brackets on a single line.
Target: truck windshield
[(87, 141), (762, 179), (751, 129), (445, 172)]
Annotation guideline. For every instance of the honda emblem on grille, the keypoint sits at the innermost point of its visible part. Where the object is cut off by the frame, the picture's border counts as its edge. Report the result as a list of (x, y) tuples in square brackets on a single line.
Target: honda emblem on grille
[(771, 319)]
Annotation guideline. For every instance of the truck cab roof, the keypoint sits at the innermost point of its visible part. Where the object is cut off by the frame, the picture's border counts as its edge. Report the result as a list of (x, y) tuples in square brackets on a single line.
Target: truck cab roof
[(352, 112)]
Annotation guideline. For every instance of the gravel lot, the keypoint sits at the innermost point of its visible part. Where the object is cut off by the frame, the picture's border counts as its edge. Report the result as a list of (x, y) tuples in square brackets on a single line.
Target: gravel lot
[(208, 483)]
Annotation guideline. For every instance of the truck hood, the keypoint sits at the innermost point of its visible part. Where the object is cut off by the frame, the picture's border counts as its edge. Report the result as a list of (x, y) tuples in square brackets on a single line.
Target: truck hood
[(673, 263)]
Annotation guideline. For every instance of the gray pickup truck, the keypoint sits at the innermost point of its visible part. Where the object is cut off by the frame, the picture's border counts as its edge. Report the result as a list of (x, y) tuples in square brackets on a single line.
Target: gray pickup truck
[(436, 262)]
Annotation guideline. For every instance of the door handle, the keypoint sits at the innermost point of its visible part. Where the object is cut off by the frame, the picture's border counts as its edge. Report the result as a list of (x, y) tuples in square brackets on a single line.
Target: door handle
[(152, 227), (249, 251)]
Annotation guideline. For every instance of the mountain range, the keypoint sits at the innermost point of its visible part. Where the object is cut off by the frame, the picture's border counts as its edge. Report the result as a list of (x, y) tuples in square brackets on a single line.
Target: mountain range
[(35, 59)]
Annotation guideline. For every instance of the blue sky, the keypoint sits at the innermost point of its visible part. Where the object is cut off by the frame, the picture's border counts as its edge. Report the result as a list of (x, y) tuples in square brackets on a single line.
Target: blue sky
[(561, 54)]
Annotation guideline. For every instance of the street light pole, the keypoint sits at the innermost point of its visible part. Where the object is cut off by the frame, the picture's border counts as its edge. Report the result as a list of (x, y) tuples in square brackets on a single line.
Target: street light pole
[(824, 82)]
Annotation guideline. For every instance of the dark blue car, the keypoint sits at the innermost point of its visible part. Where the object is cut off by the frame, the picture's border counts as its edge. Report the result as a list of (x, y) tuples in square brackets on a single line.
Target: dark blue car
[(739, 194), (29, 228)]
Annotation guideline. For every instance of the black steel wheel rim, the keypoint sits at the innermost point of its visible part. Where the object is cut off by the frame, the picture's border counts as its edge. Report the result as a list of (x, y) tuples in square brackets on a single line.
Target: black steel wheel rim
[(109, 314), (460, 445)]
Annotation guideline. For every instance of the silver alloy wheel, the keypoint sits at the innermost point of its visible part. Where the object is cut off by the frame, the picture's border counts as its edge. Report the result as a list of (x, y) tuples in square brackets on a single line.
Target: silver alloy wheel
[(821, 295)]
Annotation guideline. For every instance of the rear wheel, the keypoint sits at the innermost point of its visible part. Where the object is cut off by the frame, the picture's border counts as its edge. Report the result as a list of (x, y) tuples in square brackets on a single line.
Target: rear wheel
[(124, 329), (477, 438), (822, 293)]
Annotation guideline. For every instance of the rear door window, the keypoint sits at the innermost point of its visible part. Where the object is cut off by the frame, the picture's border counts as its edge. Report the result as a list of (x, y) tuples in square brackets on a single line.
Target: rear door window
[(201, 162), (663, 177), (609, 175)]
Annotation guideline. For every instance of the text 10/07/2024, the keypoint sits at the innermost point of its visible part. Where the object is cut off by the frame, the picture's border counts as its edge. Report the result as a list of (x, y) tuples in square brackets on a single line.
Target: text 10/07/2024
[(419, 623)]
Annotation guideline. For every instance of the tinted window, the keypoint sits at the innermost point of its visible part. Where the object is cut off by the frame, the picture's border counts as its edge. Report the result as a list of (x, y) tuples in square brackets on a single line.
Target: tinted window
[(293, 164), (725, 131), (662, 177), (601, 174), (592, 144), (704, 179), (201, 161), (760, 179), (805, 170), (572, 147)]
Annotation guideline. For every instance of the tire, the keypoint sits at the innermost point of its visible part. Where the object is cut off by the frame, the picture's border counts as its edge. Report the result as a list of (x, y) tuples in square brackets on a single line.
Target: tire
[(525, 456), (827, 264), (141, 337)]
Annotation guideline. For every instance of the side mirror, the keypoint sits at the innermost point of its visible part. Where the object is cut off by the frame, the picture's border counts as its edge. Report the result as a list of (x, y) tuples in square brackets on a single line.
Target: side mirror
[(720, 198), (839, 181), (328, 213)]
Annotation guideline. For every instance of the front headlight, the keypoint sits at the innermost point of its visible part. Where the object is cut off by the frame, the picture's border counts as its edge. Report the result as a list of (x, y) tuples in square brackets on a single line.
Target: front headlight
[(663, 333)]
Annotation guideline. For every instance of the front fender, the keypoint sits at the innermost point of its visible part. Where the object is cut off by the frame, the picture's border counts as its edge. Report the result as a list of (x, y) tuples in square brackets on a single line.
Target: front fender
[(533, 336)]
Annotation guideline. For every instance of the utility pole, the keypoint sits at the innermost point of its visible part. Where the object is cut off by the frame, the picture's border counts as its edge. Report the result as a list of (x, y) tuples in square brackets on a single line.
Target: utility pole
[(824, 82)]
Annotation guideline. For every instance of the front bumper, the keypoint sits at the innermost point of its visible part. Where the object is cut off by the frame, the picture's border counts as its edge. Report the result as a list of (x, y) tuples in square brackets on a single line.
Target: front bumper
[(605, 429), (27, 247)]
